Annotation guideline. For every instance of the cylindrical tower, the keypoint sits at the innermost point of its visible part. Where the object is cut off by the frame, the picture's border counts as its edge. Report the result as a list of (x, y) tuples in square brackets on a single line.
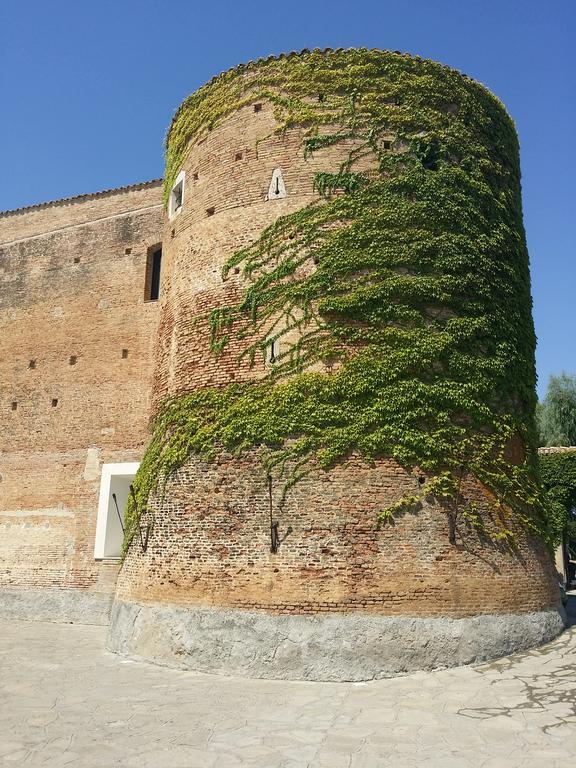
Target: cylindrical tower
[(340, 483)]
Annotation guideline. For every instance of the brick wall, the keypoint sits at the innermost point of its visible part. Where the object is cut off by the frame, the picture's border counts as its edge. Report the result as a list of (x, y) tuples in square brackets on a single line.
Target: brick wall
[(211, 538), (197, 245), (211, 546), (71, 300)]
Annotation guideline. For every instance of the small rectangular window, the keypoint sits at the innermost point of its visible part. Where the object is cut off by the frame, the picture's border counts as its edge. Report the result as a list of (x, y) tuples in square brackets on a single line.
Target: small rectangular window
[(153, 269)]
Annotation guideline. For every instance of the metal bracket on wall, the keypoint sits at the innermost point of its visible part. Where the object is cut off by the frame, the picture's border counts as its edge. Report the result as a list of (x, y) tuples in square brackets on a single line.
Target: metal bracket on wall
[(275, 539), (273, 525), (143, 531)]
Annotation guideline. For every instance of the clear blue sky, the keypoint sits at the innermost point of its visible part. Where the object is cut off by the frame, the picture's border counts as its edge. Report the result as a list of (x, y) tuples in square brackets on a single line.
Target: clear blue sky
[(88, 88)]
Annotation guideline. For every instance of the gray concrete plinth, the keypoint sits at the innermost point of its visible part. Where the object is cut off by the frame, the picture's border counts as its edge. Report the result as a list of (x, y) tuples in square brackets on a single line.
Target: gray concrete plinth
[(340, 647), (74, 606)]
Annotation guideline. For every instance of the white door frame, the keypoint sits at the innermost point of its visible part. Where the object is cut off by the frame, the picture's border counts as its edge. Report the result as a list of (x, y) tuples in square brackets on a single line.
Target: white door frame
[(125, 469)]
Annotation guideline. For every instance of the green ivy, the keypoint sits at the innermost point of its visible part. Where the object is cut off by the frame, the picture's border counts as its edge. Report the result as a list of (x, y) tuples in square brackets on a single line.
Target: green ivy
[(409, 281), (558, 473)]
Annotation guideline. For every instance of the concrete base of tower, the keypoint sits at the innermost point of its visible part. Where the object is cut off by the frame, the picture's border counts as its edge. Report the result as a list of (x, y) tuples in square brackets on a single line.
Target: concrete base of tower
[(343, 647)]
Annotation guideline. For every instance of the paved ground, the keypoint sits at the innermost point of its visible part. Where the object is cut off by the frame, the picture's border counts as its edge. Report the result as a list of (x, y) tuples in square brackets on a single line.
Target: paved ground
[(64, 701)]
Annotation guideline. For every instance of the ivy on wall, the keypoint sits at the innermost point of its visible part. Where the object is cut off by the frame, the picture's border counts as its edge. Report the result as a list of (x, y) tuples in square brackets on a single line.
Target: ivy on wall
[(558, 473), (407, 279)]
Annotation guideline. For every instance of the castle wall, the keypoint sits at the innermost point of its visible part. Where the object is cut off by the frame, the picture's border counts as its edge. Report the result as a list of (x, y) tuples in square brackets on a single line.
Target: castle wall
[(205, 593), (211, 546), (71, 301), (85, 361)]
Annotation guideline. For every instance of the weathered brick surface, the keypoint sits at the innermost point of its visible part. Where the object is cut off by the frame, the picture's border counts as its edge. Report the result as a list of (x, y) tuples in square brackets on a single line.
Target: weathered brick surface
[(211, 546), (197, 245), (73, 320), (58, 215), (211, 538)]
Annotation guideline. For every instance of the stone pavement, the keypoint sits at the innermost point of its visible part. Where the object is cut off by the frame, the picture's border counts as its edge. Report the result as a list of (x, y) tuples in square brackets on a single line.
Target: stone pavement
[(64, 701)]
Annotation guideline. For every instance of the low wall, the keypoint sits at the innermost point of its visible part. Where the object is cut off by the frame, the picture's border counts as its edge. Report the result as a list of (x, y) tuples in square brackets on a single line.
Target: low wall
[(340, 647), (72, 606)]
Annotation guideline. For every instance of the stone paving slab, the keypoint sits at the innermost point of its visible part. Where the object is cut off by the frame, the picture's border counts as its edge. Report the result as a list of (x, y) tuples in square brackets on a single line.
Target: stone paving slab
[(65, 701)]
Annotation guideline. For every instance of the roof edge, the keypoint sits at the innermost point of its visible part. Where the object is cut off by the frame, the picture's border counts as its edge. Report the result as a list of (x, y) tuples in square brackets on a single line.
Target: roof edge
[(79, 198)]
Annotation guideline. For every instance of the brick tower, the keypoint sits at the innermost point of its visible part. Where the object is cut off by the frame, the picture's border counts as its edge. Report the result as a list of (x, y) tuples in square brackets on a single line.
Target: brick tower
[(252, 567)]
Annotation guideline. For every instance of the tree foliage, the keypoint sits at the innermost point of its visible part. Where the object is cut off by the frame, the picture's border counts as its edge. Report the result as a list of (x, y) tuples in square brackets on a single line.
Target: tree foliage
[(556, 415), (558, 473)]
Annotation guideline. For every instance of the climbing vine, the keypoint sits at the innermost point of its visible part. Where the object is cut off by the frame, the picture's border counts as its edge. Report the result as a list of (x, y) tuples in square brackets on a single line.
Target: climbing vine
[(558, 474), (405, 285)]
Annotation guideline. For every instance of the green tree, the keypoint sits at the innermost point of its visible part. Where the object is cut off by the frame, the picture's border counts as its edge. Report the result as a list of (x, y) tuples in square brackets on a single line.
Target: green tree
[(556, 414)]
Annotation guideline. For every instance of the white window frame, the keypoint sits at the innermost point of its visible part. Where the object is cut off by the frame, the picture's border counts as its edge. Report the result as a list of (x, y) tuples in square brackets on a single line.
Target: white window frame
[(276, 183), (272, 352), (109, 471), (179, 182)]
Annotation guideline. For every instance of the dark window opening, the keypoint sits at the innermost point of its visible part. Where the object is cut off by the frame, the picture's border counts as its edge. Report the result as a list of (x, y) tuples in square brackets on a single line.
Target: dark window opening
[(32, 364), (195, 176), (429, 155), (76, 259), (124, 354), (128, 251), (387, 145), (72, 360), (257, 107), (14, 405), (153, 269), (238, 156), (210, 211), (54, 402)]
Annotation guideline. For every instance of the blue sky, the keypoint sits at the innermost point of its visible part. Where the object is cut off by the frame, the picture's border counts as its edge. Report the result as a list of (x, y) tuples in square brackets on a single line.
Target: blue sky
[(88, 89)]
